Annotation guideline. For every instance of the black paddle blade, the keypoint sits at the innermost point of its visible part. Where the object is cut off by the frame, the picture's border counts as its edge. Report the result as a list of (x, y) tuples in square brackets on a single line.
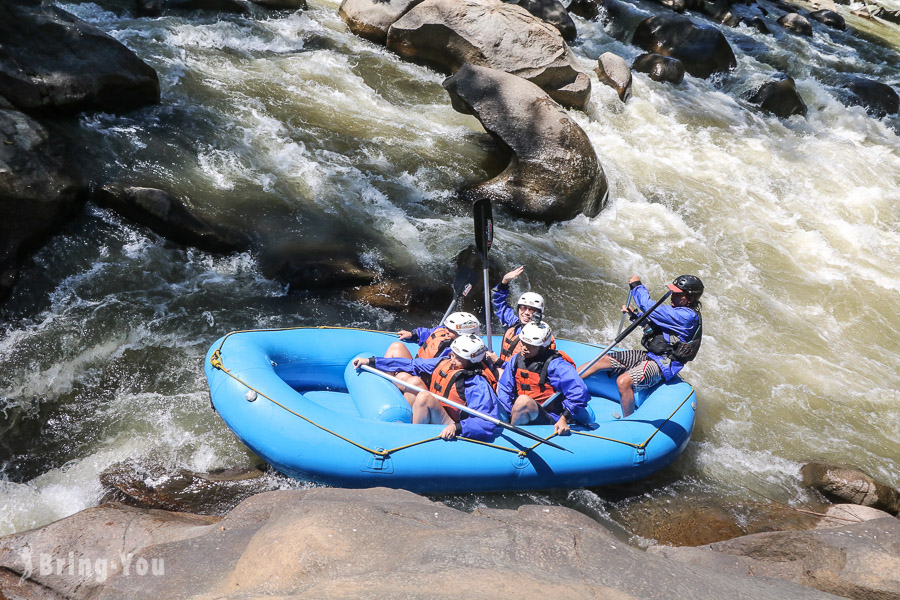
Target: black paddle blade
[(466, 272), (484, 225)]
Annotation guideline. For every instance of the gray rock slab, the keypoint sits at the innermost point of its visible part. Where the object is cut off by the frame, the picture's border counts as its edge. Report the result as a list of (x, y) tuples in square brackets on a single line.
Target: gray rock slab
[(376, 543), (371, 19)]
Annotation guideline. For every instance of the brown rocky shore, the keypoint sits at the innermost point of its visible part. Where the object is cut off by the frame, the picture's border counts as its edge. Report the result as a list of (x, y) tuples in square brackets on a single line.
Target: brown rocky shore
[(379, 543)]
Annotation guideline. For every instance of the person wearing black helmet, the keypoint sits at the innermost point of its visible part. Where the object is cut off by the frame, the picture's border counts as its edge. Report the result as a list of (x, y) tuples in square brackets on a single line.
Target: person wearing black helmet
[(672, 336)]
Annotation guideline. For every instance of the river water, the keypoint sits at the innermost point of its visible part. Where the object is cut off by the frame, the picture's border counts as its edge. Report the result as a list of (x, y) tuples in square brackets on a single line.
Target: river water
[(280, 122)]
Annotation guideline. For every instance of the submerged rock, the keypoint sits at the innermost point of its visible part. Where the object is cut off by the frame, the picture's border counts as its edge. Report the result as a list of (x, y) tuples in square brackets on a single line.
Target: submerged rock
[(659, 67), (371, 19), (552, 12), (702, 50), (309, 264), (615, 72), (171, 218), (340, 543), (830, 18), (846, 483), (553, 173), (796, 23), (879, 99), (779, 97), (447, 34), (54, 62), (39, 191)]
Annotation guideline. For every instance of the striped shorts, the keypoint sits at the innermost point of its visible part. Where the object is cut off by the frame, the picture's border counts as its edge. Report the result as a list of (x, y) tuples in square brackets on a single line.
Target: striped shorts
[(644, 372)]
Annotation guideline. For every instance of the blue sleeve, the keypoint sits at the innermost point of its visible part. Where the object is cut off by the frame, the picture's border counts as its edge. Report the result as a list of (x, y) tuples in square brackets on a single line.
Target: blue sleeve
[(418, 366), (420, 334), (506, 315), (480, 397), (506, 387), (681, 321), (564, 378)]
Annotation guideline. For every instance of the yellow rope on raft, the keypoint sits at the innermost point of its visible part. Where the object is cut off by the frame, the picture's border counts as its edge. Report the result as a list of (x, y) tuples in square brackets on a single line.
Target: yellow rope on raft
[(216, 361)]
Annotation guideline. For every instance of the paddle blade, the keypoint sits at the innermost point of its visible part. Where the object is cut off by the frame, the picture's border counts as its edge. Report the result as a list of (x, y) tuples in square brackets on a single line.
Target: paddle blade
[(466, 273), (484, 225)]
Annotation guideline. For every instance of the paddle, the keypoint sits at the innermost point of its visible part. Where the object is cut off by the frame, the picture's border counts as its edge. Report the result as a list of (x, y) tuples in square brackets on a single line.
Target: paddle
[(618, 339), (627, 304), (462, 284), (484, 237), (462, 407)]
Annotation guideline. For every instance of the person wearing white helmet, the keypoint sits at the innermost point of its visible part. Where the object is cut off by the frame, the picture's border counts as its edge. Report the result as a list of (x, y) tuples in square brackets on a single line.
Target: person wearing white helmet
[(463, 376), (672, 337), (536, 373), (530, 307), (432, 342)]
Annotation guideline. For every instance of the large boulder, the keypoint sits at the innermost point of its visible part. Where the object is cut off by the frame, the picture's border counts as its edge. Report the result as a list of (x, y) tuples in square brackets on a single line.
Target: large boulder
[(858, 560), (371, 19), (613, 71), (879, 99), (155, 8), (846, 483), (796, 23), (360, 544), (659, 67), (446, 34), (51, 61), (553, 173), (702, 50), (552, 12), (779, 97), (39, 191), (829, 18), (171, 218)]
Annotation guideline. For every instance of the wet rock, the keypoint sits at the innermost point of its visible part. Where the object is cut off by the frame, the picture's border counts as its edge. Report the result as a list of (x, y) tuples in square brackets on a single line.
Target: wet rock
[(586, 9), (879, 99), (756, 23), (553, 173), (659, 68), (830, 18), (306, 265), (779, 97), (39, 191), (615, 72), (846, 483), (371, 19), (854, 561), (171, 218), (719, 11), (412, 296), (604, 11), (155, 8), (375, 543), (840, 515), (796, 23), (446, 34), (152, 486), (552, 12), (702, 50), (54, 62)]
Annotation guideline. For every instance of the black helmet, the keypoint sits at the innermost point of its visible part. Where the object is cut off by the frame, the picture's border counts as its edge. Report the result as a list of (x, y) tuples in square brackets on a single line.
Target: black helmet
[(687, 284)]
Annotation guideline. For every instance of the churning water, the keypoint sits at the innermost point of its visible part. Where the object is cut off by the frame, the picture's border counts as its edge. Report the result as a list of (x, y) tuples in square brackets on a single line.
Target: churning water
[(281, 122)]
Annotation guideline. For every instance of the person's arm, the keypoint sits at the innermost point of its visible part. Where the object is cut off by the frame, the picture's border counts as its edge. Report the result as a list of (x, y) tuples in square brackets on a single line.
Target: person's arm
[(506, 387), (564, 378), (480, 397), (679, 320), (420, 334), (417, 366), (508, 316)]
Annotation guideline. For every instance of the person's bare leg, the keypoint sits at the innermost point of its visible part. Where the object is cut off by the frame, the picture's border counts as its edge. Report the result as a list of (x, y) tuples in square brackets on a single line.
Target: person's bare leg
[(626, 393), (428, 409), (397, 350), (601, 365), (524, 411)]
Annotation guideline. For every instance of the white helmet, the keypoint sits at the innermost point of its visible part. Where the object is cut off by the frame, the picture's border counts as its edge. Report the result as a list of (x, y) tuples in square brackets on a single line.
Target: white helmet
[(536, 334), (462, 323), (469, 347), (535, 301)]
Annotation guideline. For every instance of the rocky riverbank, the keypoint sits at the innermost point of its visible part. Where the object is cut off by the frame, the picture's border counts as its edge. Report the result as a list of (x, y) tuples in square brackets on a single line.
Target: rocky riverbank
[(381, 543)]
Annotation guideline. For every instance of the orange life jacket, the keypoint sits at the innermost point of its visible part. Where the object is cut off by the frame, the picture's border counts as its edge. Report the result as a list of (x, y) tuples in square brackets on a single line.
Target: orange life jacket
[(435, 344), (451, 383), (511, 345), (534, 383)]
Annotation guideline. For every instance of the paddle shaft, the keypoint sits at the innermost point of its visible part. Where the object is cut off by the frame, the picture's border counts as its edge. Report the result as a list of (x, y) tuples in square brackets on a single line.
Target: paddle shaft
[(627, 304), (484, 237), (618, 339), (461, 407)]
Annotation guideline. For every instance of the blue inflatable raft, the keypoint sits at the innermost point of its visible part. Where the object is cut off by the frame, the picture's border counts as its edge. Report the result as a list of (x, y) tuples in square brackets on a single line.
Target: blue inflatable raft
[(292, 397)]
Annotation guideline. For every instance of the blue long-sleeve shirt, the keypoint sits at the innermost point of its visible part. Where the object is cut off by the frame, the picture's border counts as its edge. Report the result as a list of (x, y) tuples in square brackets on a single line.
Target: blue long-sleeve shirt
[(508, 316), (561, 375), (679, 320), (480, 395)]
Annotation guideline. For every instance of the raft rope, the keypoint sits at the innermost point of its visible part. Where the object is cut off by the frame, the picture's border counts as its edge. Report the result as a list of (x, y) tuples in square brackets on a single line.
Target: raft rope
[(216, 361)]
